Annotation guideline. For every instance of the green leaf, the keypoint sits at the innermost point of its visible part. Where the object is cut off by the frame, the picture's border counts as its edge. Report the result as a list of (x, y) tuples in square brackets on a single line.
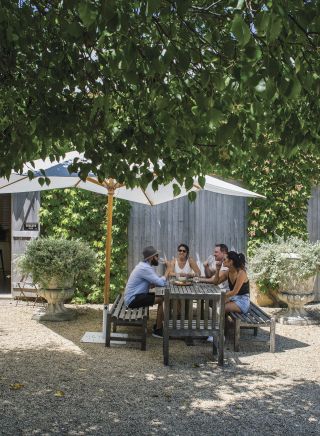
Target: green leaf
[(202, 181), (189, 183), (192, 195), (228, 48), (176, 189), (74, 29), (155, 185), (275, 28), (240, 30), (152, 6), (183, 6), (214, 117), (262, 22), (294, 89), (87, 15), (184, 60), (270, 89)]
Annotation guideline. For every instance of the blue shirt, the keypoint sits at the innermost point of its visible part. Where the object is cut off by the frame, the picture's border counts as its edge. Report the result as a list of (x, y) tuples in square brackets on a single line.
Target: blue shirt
[(140, 280)]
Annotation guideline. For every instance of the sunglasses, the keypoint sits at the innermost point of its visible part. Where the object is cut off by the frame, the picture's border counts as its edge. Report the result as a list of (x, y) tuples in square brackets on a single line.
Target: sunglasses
[(182, 251)]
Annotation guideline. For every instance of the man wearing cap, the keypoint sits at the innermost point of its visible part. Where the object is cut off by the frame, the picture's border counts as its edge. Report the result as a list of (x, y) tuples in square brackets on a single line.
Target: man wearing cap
[(141, 278)]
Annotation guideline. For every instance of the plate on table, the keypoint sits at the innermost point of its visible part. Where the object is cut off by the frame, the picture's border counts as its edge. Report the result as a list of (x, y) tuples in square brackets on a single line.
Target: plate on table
[(178, 283)]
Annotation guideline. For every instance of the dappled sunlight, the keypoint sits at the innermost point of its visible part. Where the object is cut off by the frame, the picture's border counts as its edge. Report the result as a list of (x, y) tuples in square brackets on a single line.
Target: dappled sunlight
[(29, 334), (91, 390), (53, 342)]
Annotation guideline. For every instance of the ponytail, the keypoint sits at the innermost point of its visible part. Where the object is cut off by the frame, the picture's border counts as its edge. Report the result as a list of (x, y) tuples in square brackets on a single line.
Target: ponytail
[(238, 259)]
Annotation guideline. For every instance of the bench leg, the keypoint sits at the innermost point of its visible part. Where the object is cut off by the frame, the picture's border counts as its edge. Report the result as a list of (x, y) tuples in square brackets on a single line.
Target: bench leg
[(255, 331), (144, 335), (214, 346), (236, 334), (273, 335), (222, 323), (166, 349), (108, 329)]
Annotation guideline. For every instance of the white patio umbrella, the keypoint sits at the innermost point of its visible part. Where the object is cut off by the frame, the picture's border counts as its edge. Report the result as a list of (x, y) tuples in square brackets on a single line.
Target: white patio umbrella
[(60, 177)]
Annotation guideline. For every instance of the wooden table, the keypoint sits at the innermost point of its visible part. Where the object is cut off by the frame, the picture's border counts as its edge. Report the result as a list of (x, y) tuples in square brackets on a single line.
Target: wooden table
[(191, 312), (196, 289)]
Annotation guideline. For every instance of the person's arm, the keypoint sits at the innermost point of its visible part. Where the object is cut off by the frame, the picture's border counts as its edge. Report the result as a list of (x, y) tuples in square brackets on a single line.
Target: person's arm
[(149, 274), (194, 266), (241, 279), (207, 270), (218, 277), (170, 267), (167, 272)]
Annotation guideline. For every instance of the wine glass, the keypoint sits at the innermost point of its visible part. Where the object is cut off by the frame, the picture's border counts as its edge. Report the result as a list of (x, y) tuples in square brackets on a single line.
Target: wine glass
[(196, 280)]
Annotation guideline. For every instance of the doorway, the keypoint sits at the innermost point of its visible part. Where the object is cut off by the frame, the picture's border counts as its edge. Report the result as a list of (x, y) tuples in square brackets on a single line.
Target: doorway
[(5, 243)]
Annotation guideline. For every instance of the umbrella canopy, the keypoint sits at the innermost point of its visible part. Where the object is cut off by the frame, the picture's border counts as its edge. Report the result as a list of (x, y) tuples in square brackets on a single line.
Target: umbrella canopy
[(60, 177)]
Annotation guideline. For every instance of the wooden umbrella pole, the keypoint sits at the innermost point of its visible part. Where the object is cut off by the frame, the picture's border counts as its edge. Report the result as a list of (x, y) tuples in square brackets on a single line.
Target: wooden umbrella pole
[(108, 245)]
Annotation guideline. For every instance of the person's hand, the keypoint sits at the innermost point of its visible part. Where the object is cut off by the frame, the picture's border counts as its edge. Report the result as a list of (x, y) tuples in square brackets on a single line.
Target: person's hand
[(218, 265), (205, 263)]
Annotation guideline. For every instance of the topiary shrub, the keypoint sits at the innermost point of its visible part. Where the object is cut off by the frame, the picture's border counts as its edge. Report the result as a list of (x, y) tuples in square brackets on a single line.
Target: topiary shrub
[(270, 266), (60, 261)]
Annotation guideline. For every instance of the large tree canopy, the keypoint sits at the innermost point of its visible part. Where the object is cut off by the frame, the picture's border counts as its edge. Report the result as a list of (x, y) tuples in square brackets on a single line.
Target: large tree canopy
[(131, 82)]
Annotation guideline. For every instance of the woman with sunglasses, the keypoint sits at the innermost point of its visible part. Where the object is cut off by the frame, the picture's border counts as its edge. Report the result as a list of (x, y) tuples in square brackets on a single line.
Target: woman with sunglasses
[(183, 265)]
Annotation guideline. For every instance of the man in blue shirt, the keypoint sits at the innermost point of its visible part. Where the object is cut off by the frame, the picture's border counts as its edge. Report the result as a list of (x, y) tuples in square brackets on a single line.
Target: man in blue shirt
[(141, 278)]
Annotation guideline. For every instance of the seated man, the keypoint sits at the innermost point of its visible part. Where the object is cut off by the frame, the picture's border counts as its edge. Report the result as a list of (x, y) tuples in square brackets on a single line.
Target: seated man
[(137, 289), (211, 264)]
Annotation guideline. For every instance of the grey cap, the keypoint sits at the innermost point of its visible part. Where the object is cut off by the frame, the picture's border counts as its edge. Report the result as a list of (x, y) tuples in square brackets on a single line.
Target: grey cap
[(149, 252)]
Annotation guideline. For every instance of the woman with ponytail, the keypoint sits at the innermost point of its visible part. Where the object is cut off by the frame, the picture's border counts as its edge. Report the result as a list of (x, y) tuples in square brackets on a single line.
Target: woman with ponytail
[(238, 297)]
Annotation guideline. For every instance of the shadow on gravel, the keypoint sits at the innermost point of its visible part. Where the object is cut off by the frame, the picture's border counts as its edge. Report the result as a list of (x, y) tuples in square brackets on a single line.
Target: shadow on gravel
[(90, 319), (111, 394), (250, 344)]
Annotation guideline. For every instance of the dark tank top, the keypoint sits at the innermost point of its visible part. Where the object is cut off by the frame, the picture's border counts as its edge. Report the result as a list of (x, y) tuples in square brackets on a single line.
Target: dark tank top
[(245, 288)]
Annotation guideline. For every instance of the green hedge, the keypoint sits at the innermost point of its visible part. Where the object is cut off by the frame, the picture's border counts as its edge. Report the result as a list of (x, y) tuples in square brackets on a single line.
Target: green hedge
[(286, 182), (73, 213)]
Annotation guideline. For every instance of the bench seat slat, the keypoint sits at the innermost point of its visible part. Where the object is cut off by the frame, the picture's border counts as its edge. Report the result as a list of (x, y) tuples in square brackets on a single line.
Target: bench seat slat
[(260, 313), (117, 305), (255, 318), (120, 315)]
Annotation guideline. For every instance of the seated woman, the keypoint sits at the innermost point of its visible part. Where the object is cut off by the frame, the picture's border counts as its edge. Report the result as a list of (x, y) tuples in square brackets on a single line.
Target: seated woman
[(183, 265), (238, 298)]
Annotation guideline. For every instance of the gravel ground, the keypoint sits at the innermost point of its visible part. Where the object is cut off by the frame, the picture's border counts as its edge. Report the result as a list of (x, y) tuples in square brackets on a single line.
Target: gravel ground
[(65, 387)]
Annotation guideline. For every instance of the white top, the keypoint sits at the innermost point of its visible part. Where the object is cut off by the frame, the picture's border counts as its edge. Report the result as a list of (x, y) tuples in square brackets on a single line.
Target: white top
[(212, 265), (186, 269)]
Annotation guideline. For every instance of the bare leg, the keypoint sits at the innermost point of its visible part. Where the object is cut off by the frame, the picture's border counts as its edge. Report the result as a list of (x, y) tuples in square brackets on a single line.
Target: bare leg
[(160, 316), (232, 307)]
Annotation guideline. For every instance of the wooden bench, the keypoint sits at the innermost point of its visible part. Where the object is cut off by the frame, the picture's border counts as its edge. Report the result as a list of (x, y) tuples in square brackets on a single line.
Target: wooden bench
[(253, 319), (120, 315), (189, 314)]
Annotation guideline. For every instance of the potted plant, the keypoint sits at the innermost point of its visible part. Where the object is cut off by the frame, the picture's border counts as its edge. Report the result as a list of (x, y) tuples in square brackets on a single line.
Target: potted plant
[(287, 267), (55, 265)]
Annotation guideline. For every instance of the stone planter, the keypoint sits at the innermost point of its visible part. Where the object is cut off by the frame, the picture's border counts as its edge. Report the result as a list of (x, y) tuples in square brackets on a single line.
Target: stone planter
[(296, 292), (55, 310), (260, 298)]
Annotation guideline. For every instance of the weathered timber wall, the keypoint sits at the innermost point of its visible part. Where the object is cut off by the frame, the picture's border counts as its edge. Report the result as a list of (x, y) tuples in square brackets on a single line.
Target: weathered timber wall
[(211, 219)]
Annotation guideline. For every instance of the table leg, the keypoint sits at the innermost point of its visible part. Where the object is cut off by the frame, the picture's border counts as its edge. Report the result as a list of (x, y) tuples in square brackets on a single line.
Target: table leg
[(2, 264)]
